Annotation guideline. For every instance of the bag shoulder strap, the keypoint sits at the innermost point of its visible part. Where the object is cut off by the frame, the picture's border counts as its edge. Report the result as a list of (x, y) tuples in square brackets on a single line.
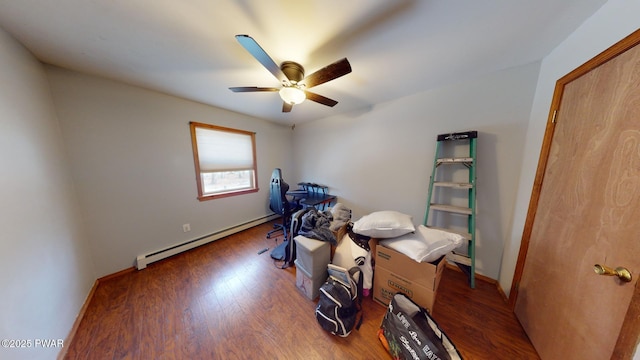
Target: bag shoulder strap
[(354, 270), (359, 284)]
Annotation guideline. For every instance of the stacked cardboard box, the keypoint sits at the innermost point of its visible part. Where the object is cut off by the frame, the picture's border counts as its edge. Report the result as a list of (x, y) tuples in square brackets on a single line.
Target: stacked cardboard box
[(396, 272)]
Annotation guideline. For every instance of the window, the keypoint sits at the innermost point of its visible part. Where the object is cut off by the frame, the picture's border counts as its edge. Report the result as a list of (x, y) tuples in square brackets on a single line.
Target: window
[(225, 160)]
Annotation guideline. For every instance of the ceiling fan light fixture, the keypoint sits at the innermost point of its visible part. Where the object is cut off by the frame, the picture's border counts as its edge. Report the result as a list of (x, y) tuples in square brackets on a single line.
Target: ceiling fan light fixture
[(292, 95), (293, 83)]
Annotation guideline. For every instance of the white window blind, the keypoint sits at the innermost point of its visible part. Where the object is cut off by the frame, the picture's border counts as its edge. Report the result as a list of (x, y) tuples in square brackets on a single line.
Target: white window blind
[(220, 150), (225, 161)]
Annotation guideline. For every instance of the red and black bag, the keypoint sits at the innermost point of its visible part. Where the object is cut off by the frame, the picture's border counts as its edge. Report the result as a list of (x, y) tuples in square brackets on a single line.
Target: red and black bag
[(409, 332)]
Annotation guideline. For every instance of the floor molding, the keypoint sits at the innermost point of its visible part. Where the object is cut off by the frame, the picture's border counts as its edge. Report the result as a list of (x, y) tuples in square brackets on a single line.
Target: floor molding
[(484, 278), (83, 309), (76, 323), (117, 274)]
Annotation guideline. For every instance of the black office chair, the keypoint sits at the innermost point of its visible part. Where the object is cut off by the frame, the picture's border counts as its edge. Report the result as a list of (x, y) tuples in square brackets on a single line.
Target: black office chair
[(279, 203)]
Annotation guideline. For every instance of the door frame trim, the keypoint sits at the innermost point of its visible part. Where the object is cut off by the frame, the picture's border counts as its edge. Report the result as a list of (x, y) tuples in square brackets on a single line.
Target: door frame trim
[(631, 324)]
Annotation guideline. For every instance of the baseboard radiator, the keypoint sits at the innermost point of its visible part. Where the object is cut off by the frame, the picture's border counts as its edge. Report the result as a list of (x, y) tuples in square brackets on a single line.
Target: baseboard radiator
[(143, 260)]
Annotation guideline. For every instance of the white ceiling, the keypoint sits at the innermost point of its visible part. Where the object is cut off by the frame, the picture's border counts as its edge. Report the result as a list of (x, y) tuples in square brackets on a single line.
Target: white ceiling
[(187, 47)]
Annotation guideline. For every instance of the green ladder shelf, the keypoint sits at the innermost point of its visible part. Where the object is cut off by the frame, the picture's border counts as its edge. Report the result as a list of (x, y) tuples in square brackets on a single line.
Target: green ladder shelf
[(466, 262)]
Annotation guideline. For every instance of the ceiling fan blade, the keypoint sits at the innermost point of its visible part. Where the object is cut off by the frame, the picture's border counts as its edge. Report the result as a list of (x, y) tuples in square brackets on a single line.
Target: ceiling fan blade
[(320, 99), (252, 89), (286, 107), (328, 73), (254, 49)]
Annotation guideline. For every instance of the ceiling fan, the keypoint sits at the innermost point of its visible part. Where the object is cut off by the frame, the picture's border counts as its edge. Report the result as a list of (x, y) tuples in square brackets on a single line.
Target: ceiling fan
[(291, 76)]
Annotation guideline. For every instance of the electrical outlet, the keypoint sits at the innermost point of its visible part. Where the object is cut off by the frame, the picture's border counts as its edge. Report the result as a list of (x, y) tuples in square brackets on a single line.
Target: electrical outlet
[(186, 227)]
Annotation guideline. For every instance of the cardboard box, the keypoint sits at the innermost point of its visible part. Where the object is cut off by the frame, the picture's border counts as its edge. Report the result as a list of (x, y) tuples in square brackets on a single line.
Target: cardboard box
[(386, 284), (396, 272), (426, 275)]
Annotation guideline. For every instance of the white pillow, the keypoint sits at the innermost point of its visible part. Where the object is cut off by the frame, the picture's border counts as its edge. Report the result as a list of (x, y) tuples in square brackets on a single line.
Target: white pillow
[(426, 244), (384, 224)]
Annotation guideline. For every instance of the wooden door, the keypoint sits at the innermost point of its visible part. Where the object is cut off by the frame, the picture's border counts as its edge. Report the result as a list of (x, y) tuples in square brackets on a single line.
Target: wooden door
[(585, 212)]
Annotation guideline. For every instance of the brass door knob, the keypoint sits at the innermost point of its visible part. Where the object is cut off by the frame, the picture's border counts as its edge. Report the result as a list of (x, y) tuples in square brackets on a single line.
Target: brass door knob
[(620, 272)]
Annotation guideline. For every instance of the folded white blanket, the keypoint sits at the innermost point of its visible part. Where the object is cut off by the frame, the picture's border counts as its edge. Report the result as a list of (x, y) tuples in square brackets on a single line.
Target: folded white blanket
[(425, 244)]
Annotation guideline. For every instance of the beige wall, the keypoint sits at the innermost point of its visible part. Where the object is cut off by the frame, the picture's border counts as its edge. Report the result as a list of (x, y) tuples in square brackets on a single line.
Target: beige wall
[(45, 264), (382, 157), (131, 157)]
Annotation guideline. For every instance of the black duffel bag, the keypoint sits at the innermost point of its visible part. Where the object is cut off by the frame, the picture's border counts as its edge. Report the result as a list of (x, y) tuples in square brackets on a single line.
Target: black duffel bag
[(409, 332)]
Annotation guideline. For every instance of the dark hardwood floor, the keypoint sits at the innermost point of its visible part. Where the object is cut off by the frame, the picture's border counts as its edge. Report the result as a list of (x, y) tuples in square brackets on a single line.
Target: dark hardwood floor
[(224, 301)]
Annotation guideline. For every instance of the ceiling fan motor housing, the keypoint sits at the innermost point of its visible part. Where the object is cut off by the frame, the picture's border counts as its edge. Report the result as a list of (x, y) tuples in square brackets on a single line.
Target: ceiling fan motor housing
[(293, 71)]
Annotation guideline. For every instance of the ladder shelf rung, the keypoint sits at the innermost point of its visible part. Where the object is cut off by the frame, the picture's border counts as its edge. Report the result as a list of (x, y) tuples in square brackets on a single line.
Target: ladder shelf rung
[(454, 160), (451, 208), (453, 184), (459, 259)]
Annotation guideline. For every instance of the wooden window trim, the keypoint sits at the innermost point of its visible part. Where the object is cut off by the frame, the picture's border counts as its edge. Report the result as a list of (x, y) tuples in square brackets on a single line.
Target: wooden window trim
[(201, 195)]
